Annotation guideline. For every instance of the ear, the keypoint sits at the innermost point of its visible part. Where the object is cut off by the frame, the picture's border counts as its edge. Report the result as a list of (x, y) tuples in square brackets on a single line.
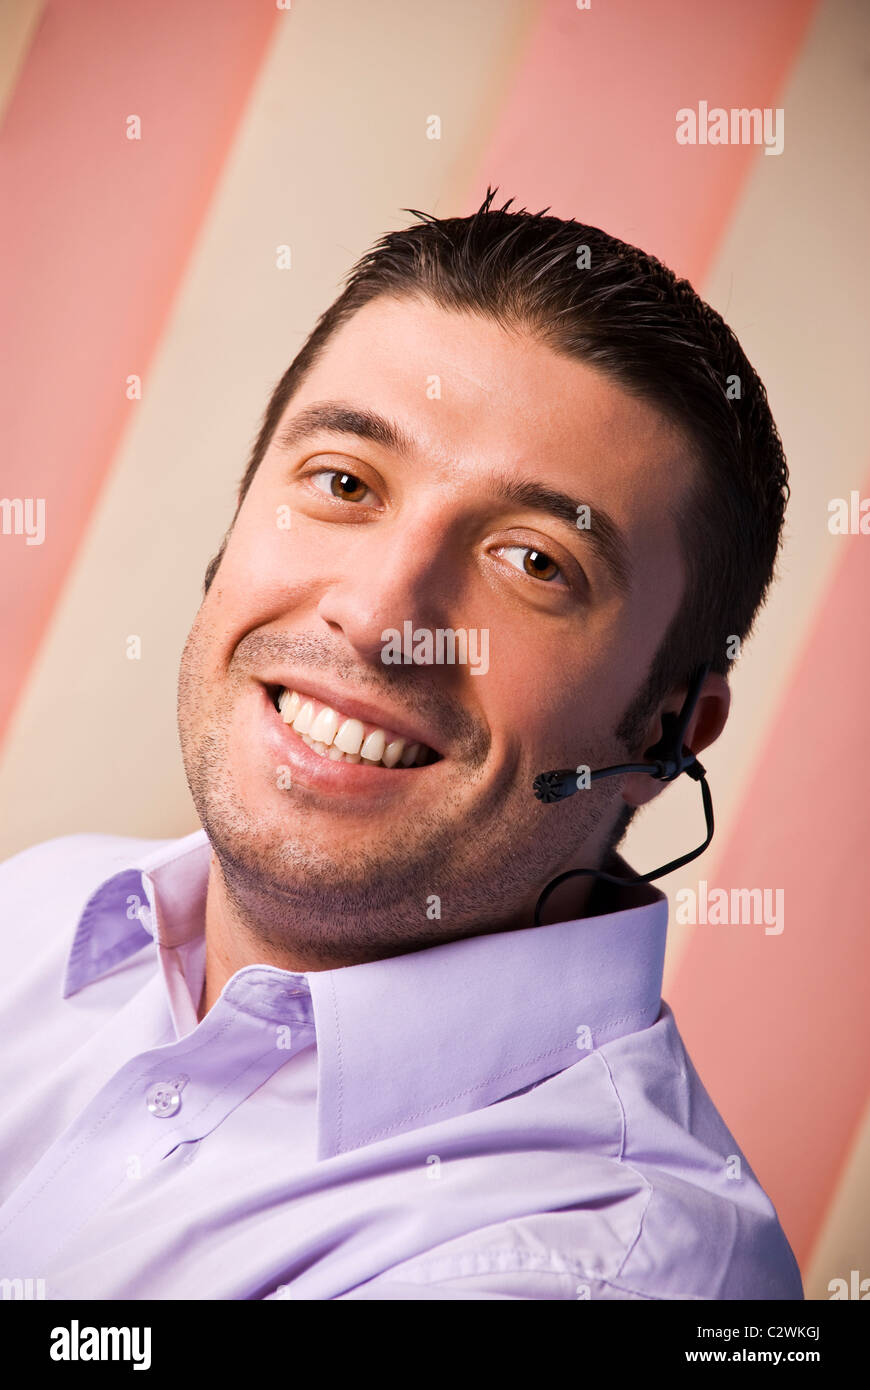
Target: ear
[(706, 724)]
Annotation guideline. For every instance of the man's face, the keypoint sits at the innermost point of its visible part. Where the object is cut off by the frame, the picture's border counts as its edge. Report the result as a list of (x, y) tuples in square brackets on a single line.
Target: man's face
[(342, 538)]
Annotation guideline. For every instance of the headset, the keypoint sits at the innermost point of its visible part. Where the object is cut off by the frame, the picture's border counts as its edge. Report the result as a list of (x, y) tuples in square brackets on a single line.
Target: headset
[(668, 759)]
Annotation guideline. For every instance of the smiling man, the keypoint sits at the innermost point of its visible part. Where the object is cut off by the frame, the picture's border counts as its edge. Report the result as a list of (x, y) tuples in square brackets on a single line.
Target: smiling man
[(320, 1049)]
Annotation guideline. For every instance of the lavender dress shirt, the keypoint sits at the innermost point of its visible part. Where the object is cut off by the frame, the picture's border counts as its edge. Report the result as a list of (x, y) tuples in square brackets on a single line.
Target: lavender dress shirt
[(507, 1116)]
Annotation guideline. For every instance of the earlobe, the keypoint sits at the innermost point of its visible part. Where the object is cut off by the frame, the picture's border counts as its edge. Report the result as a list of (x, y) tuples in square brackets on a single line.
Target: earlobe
[(640, 789)]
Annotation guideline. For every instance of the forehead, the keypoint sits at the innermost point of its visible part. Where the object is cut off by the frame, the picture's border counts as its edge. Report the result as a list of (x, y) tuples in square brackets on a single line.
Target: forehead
[(481, 398), (476, 392)]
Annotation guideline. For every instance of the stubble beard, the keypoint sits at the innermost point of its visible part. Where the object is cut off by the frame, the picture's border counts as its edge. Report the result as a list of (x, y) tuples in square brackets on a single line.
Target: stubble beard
[(296, 896)]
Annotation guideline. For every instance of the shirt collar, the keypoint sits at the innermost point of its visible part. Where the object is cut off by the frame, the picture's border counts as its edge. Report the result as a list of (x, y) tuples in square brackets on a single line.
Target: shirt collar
[(417, 1038)]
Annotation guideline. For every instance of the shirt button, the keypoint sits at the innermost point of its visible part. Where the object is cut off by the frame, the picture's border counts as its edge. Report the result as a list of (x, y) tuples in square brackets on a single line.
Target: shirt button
[(164, 1098)]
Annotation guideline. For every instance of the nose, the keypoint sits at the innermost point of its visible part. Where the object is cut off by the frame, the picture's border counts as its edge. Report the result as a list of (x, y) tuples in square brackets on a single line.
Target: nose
[(390, 576)]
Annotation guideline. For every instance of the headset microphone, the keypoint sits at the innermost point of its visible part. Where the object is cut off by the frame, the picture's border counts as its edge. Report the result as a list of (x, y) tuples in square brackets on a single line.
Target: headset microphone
[(668, 759)]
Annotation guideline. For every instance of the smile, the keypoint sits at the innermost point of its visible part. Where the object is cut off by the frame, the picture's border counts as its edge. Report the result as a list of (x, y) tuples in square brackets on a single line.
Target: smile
[(339, 737)]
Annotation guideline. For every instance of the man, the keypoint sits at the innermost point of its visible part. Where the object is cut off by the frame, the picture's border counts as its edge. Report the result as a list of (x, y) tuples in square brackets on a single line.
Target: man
[(320, 1049)]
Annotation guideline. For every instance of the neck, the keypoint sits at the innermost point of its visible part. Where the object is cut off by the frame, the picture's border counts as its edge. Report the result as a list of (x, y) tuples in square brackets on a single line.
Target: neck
[(232, 942)]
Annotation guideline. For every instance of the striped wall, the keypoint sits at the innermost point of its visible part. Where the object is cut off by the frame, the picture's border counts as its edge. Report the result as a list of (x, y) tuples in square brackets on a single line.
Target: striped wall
[(154, 259)]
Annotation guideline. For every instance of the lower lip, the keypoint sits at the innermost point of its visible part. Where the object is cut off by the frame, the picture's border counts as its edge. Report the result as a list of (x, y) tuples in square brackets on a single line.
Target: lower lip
[(331, 774)]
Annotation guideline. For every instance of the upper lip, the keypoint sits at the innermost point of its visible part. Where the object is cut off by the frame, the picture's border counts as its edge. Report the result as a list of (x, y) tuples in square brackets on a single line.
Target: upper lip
[(366, 711)]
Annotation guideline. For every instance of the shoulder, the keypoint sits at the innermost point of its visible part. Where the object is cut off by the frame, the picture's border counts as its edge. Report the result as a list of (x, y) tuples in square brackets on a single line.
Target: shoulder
[(55, 877), (708, 1229), (83, 854), (649, 1197)]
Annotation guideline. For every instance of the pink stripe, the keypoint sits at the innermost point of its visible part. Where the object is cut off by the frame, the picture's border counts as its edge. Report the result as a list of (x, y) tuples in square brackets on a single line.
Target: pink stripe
[(90, 260), (778, 1023), (589, 126)]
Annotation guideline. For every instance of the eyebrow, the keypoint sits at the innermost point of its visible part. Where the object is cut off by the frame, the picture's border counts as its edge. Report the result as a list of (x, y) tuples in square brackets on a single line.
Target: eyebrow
[(603, 534), (344, 419)]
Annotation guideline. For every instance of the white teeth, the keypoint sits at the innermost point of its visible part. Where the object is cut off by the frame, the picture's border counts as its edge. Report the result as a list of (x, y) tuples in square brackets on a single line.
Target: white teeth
[(289, 704), (344, 740), (325, 726), (373, 748), (350, 736), (302, 722), (393, 752)]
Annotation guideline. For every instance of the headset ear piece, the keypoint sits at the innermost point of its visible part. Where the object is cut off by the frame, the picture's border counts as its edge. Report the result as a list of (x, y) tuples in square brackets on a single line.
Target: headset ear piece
[(672, 759), (667, 749)]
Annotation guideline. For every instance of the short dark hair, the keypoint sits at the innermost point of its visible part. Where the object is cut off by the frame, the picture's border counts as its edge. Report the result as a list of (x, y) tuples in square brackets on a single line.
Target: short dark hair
[(606, 303)]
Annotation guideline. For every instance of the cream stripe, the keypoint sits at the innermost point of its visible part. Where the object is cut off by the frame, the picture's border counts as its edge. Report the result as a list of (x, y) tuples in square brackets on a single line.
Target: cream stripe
[(19, 20), (844, 1240)]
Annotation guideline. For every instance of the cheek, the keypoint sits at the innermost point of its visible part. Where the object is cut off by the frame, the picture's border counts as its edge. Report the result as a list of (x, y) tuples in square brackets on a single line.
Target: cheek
[(251, 575), (273, 554), (206, 651)]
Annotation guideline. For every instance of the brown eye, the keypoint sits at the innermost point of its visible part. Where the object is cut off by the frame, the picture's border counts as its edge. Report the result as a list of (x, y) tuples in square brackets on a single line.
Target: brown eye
[(347, 487), (539, 565), (534, 563)]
